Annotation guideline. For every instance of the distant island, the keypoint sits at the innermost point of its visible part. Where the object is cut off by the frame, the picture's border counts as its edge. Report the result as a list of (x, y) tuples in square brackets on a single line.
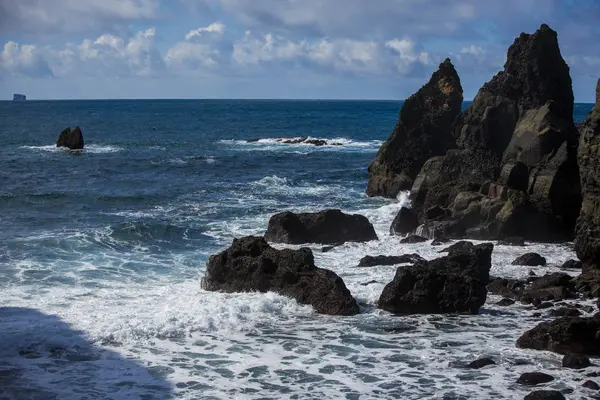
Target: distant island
[(19, 97)]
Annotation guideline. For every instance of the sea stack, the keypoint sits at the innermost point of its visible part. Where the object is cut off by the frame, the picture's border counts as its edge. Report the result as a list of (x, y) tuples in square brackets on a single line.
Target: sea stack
[(72, 139), (514, 171), (422, 131), (587, 241)]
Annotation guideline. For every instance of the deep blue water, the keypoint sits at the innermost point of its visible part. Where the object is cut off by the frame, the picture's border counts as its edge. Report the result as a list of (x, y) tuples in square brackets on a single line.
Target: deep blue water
[(160, 186)]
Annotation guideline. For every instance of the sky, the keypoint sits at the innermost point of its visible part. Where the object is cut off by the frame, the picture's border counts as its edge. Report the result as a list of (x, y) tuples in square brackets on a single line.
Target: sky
[(290, 49)]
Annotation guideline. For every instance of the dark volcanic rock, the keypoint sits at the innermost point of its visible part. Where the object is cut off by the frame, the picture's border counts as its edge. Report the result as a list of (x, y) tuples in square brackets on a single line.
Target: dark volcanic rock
[(414, 239), (73, 139), (587, 241), (506, 302), (564, 335), (250, 264), (572, 264), (575, 361), (509, 288), (516, 156), (458, 246), (422, 131), (325, 227), (531, 260), (451, 284), (405, 222), (565, 312), (534, 378), (591, 385), (512, 241), (480, 363), (588, 283), (545, 395), (556, 286), (370, 261)]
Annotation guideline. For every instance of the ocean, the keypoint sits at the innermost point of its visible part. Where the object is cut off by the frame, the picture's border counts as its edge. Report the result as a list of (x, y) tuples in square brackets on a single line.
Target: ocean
[(102, 251)]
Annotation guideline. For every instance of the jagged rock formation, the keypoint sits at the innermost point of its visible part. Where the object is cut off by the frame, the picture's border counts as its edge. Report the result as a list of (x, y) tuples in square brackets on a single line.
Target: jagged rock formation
[(452, 284), (324, 227), (72, 139), (251, 265), (514, 171), (564, 335), (422, 131), (587, 243)]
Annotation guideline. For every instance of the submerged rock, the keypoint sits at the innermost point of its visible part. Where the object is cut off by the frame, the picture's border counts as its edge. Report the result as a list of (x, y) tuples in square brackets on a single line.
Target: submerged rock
[(587, 241), (422, 131), (575, 361), (414, 239), (563, 335), (545, 395), (451, 284), (572, 264), (370, 261), (72, 139), (251, 265), (534, 378), (325, 227), (480, 363), (530, 259)]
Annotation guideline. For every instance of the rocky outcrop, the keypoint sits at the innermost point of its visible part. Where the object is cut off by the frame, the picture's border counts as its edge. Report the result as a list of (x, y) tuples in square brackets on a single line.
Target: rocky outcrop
[(251, 265), (534, 378), (372, 261), (530, 259), (422, 131), (405, 222), (325, 227), (545, 395), (451, 284), (587, 242), (514, 171), (72, 139), (564, 335), (575, 361)]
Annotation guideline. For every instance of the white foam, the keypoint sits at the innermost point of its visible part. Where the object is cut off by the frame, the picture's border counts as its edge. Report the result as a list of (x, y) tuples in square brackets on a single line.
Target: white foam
[(92, 148), (274, 144)]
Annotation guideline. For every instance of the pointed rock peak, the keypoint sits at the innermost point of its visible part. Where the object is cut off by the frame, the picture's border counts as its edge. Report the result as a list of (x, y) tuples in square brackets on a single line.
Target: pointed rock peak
[(545, 27)]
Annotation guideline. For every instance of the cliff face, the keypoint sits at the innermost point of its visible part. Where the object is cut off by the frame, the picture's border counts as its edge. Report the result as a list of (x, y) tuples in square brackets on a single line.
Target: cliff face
[(587, 242), (422, 131), (516, 154)]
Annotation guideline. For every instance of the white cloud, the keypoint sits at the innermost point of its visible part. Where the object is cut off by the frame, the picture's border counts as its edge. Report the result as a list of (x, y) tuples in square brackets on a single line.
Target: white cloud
[(215, 28), (24, 60), (472, 49), (41, 17)]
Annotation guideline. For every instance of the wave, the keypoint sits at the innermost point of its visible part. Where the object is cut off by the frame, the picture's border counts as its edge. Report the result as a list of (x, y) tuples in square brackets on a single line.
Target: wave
[(305, 141), (92, 149)]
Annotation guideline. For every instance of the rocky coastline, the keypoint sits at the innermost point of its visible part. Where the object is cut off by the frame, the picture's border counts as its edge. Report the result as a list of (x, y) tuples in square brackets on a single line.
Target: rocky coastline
[(512, 168)]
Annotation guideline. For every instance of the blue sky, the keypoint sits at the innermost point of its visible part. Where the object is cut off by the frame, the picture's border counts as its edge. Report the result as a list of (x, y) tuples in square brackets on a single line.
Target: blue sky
[(358, 49)]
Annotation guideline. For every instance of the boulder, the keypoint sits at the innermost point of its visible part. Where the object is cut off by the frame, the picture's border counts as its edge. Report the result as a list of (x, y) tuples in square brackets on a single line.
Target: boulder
[(587, 241), (572, 264), (556, 286), (451, 284), (534, 378), (564, 335), (462, 245), (405, 222), (509, 288), (325, 227), (480, 363), (512, 241), (422, 131), (575, 361), (545, 395), (505, 302), (413, 239), (530, 259), (591, 385), (251, 265), (565, 312), (72, 139), (370, 261)]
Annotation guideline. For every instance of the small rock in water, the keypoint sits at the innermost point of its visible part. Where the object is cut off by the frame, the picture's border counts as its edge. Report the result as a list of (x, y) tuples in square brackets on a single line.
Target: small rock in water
[(572, 264), (512, 241), (414, 239), (545, 395), (480, 363), (591, 385), (564, 335), (439, 241), (368, 283), (575, 361), (534, 378), (565, 312), (544, 305), (505, 302), (370, 261), (530, 260), (458, 246), (72, 139)]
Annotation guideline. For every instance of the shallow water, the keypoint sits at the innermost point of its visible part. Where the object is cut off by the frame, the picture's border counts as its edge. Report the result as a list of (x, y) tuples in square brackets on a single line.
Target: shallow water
[(102, 250)]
